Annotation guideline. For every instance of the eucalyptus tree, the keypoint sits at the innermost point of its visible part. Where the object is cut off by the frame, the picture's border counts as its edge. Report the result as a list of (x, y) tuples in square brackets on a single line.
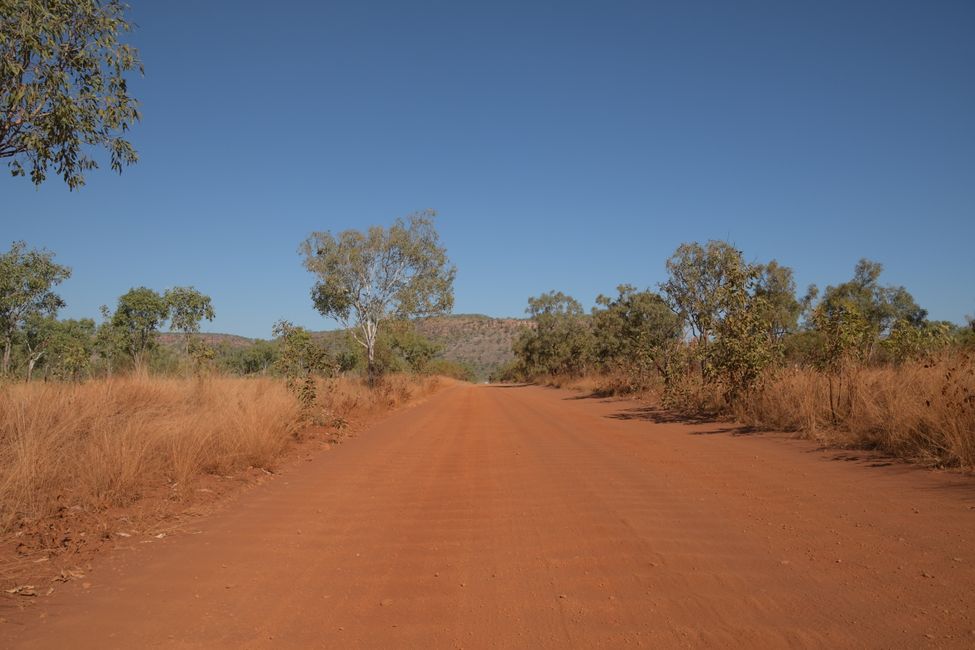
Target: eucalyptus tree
[(636, 328), (63, 88), (27, 279), (365, 279), (187, 308), (63, 348), (776, 285), (881, 306), (136, 321), (72, 348), (697, 274), (746, 340), (561, 341), (737, 312)]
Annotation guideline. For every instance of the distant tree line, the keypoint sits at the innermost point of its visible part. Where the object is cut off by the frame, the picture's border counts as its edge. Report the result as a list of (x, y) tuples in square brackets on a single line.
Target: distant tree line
[(722, 322), (36, 344)]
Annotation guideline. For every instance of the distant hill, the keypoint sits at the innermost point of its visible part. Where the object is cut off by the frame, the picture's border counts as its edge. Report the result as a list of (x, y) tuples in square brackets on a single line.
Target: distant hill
[(482, 342)]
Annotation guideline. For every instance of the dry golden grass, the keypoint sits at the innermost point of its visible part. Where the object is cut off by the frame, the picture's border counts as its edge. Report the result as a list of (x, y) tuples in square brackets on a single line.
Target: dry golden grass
[(105, 443), (921, 411)]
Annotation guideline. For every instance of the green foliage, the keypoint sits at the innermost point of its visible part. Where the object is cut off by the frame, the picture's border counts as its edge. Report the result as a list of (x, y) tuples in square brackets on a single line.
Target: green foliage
[(35, 339), (448, 368), (164, 360), (138, 316), (511, 371), (637, 331), (908, 341), (847, 333), (110, 342), (723, 324), (71, 349), (738, 313), (802, 348), (62, 86), (130, 332), (368, 278), (187, 307), (201, 354), (300, 358), (860, 316), (880, 306), (399, 348), (260, 357), (27, 279), (681, 386), (299, 355), (696, 275), (561, 341), (746, 335), (966, 335), (416, 350), (775, 286), (62, 349)]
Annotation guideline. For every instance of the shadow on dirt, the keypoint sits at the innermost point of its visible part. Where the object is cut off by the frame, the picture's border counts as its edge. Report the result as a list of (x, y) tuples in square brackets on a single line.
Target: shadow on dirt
[(951, 479), (596, 394), (663, 416), (866, 458)]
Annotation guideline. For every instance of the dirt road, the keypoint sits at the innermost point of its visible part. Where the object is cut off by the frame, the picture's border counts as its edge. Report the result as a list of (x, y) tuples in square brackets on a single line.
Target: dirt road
[(526, 518)]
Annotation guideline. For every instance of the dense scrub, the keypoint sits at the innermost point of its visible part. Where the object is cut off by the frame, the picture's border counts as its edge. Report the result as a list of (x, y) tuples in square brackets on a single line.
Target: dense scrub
[(859, 363)]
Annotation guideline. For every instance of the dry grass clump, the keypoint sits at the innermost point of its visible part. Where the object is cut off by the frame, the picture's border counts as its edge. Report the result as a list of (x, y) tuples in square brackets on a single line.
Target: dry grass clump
[(919, 410), (343, 399), (106, 443), (103, 443)]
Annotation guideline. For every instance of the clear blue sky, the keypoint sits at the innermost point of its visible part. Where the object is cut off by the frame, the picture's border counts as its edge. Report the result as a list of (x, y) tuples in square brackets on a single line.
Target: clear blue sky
[(566, 145)]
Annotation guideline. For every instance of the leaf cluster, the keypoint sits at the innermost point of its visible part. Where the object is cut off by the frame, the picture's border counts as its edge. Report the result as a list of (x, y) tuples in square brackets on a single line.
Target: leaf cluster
[(27, 280), (63, 88)]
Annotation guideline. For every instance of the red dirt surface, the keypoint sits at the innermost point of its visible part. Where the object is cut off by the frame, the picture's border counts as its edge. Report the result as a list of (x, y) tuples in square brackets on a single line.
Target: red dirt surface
[(527, 517)]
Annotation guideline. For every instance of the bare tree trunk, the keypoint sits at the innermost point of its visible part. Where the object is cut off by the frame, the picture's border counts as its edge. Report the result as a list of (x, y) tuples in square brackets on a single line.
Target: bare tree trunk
[(6, 354), (371, 372), (704, 356), (371, 364)]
